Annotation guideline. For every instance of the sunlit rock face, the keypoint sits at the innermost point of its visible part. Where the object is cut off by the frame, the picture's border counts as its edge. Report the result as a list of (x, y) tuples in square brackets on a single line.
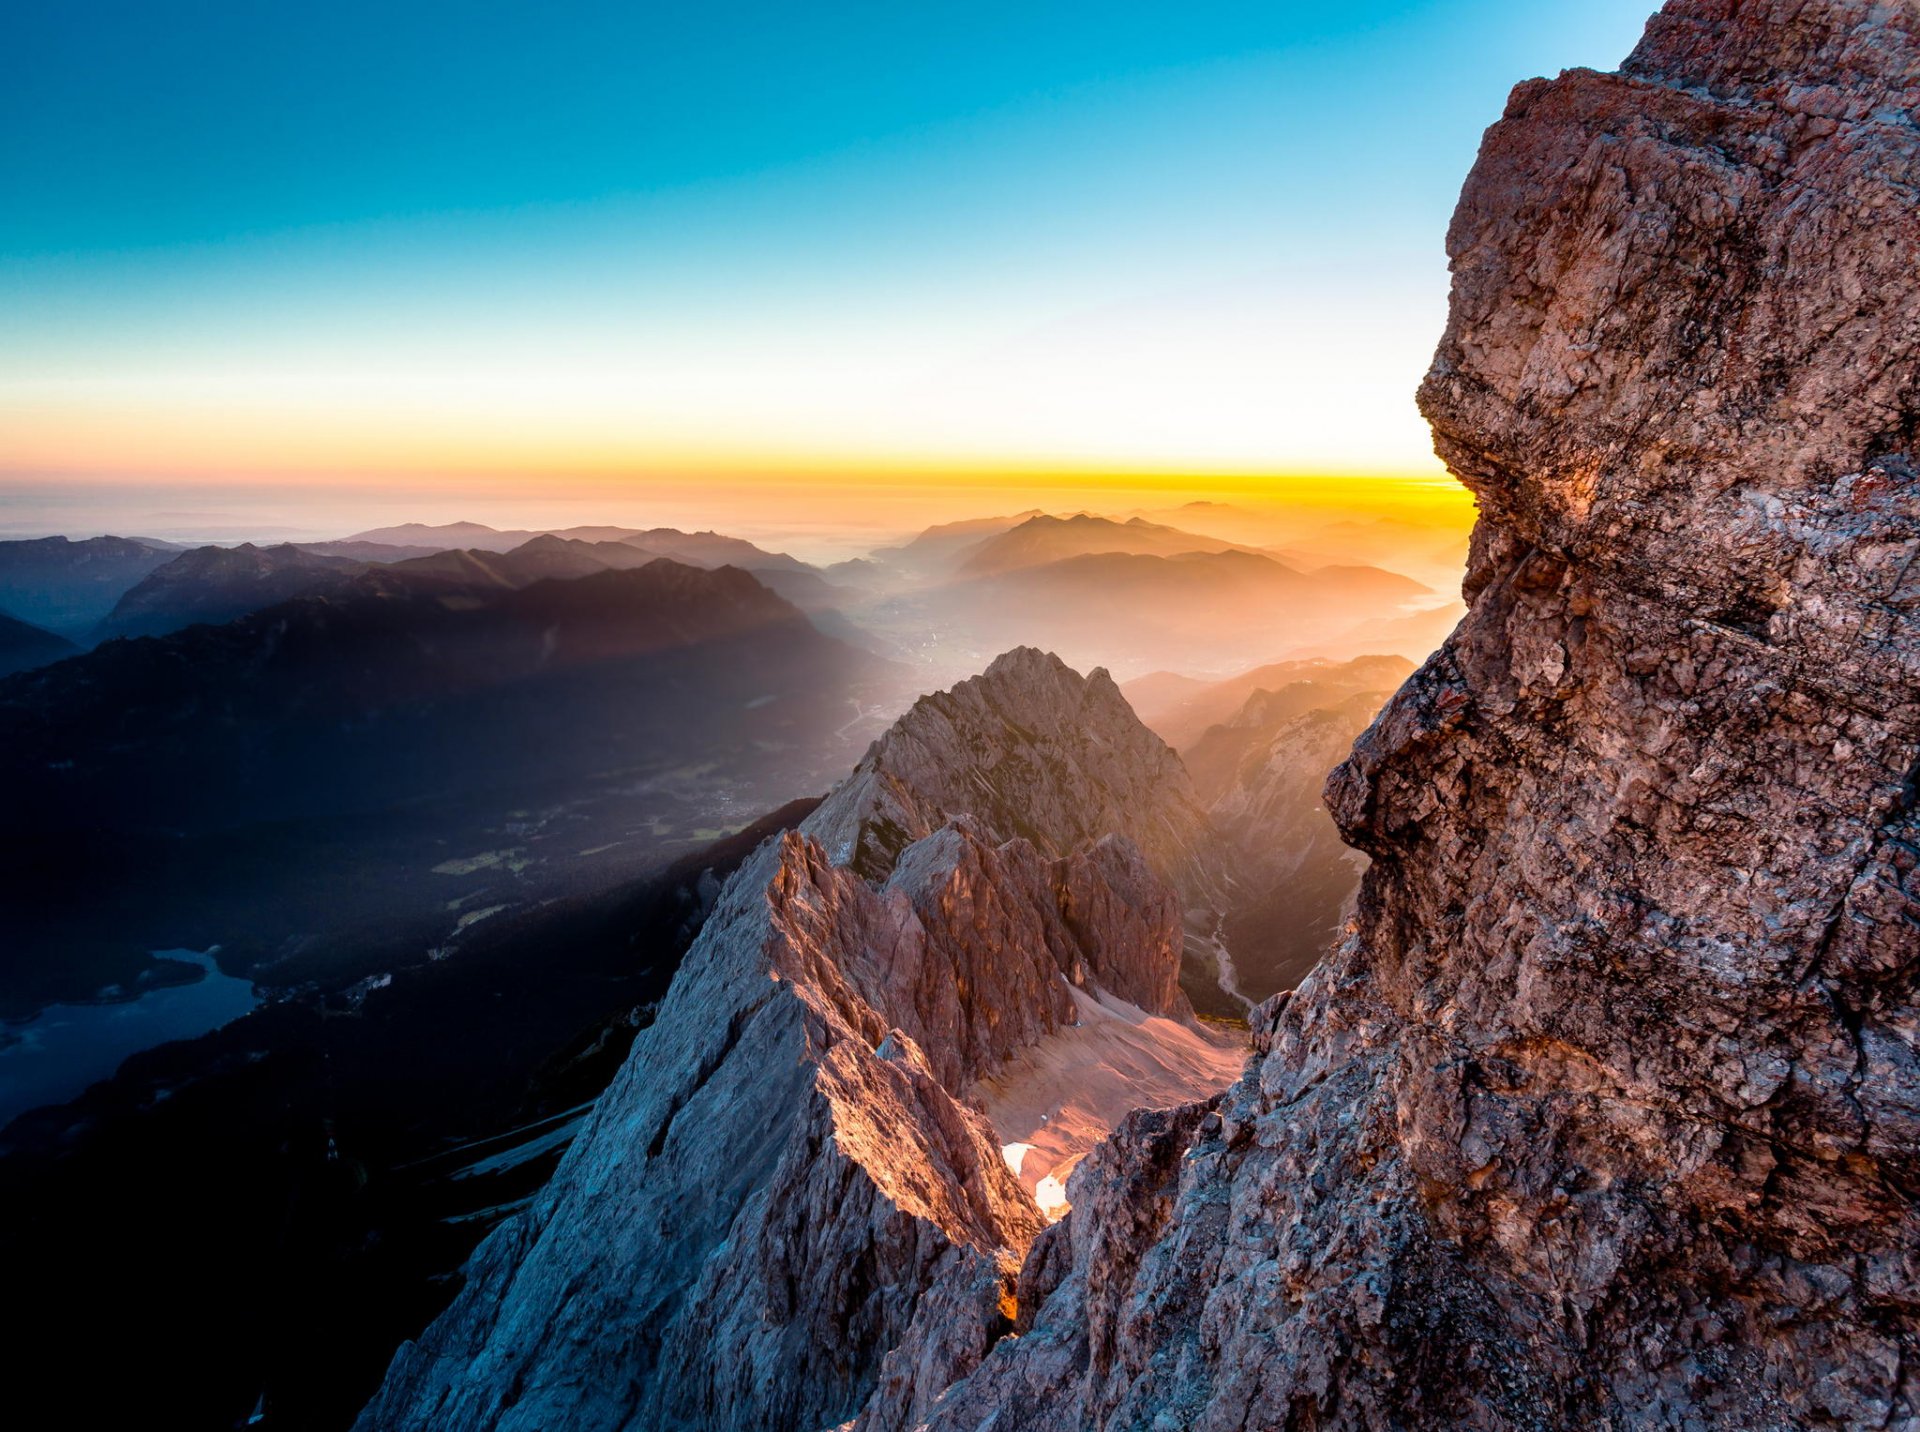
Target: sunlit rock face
[(1030, 748), (1608, 1113), (791, 1204)]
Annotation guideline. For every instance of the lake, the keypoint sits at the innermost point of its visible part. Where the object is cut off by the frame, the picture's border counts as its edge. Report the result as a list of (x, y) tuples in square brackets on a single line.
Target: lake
[(67, 1047)]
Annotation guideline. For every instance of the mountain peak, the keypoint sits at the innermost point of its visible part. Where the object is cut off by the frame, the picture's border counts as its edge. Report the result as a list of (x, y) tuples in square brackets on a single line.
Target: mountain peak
[(1031, 748), (1616, 1059), (799, 1170)]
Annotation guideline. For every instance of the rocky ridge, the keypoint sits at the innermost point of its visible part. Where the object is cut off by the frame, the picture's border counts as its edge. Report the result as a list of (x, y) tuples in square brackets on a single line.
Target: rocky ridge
[(784, 1211), (1031, 748), (219, 584), (1607, 1112)]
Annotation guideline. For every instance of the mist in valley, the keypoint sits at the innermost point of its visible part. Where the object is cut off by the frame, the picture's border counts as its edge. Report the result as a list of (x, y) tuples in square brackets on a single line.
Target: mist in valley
[(405, 780)]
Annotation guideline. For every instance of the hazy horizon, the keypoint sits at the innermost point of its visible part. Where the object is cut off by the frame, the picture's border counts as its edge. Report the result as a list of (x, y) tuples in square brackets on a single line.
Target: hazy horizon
[(865, 515), (623, 257)]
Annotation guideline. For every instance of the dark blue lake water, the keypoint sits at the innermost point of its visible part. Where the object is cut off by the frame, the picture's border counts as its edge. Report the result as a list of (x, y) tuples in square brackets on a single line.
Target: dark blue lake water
[(66, 1047)]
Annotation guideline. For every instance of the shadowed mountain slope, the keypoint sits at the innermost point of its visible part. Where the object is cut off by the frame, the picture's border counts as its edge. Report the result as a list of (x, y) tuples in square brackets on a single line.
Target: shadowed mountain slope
[(24, 646), (785, 1181)]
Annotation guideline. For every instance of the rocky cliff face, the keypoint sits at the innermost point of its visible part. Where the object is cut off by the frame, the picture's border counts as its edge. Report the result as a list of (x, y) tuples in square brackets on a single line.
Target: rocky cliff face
[(786, 1209), (1607, 1113), (1033, 749), (1029, 748)]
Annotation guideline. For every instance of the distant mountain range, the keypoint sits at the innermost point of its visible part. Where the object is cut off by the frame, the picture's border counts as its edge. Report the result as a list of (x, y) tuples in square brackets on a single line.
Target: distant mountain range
[(1043, 539), (430, 704), (939, 546), (946, 600), (702, 549), (67, 586), (1258, 747), (1200, 610), (302, 706), (174, 589), (1182, 709), (218, 584)]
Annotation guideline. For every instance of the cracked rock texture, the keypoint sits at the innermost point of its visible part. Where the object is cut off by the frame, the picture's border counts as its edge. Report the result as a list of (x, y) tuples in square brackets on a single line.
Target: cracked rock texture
[(1030, 748), (780, 1211), (1606, 1113)]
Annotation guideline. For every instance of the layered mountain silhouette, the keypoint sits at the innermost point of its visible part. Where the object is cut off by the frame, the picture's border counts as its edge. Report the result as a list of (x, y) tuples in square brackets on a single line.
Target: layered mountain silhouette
[(444, 702), (1182, 709), (1194, 609), (68, 586), (937, 549), (702, 549), (1130, 595), (24, 646), (1257, 747), (1043, 539), (218, 584)]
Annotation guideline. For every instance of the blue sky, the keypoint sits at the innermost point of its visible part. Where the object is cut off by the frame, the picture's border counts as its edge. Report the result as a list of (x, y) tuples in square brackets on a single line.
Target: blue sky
[(638, 241)]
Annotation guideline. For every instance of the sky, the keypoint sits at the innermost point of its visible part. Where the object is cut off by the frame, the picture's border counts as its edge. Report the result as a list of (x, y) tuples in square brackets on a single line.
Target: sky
[(523, 257)]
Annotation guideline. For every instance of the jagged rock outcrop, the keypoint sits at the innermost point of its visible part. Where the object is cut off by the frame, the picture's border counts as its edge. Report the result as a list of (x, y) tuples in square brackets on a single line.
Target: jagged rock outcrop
[(1029, 748), (1607, 1113), (785, 1208)]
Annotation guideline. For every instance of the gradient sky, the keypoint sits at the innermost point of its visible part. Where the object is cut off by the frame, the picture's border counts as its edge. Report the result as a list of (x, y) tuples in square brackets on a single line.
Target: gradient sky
[(589, 247)]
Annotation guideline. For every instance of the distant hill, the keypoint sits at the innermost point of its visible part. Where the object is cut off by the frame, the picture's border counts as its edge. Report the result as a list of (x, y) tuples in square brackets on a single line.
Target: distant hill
[(1135, 613), (1265, 770), (220, 723), (1160, 691), (369, 551), (445, 535), (336, 748), (23, 647), (69, 586), (714, 549), (542, 558), (1215, 755), (217, 584), (940, 546), (1415, 634), (1181, 709), (550, 557), (1255, 527), (1435, 551), (700, 549), (1043, 539)]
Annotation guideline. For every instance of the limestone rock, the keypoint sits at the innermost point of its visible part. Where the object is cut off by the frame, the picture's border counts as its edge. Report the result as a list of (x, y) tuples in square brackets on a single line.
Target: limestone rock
[(1605, 1114), (1029, 748), (784, 1207)]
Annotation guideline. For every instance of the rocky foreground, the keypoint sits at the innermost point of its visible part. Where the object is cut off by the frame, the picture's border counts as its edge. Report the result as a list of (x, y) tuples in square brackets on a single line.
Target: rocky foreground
[(1606, 1113)]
